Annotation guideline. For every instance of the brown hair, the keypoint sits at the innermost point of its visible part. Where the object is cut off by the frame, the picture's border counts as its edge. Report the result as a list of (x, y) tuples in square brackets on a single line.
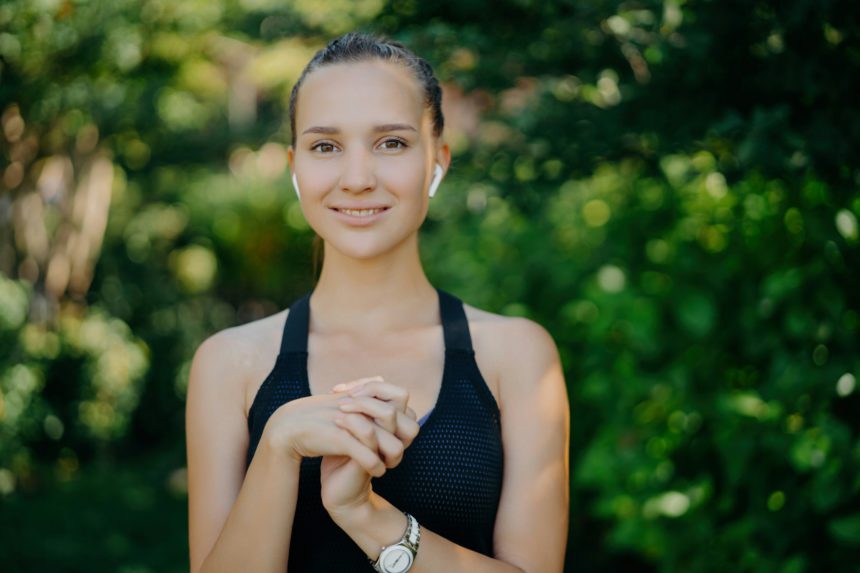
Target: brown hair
[(358, 47)]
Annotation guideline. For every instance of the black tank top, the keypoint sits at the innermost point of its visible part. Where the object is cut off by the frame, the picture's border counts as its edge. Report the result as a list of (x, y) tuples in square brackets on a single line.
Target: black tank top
[(450, 477)]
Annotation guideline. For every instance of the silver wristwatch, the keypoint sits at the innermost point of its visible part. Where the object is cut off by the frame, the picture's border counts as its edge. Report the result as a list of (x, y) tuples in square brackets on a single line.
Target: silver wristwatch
[(398, 557)]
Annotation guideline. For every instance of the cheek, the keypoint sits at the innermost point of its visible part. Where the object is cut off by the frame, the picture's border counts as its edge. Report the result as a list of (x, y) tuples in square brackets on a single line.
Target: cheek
[(318, 181), (405, 181)]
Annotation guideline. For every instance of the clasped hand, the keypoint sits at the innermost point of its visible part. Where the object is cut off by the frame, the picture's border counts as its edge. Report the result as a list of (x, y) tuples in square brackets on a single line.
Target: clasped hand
[(360, 429)]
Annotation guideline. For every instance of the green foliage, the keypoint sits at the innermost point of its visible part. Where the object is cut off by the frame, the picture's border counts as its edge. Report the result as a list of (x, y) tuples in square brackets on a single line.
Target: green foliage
[(128, 518), (671, 188), (94, 357)]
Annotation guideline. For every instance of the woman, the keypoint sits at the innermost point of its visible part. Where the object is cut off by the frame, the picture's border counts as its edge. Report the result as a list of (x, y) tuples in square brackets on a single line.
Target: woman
[(398, 429)]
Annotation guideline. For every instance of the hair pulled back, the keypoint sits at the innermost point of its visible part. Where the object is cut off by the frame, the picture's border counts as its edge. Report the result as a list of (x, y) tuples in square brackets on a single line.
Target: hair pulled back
[(360, 47)]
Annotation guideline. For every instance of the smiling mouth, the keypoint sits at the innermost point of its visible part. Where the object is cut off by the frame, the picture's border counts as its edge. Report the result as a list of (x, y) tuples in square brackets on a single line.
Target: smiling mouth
[(361, 212)]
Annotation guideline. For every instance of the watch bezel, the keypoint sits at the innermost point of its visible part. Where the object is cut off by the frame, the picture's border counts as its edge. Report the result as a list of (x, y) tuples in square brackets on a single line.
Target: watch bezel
[(396, 548)]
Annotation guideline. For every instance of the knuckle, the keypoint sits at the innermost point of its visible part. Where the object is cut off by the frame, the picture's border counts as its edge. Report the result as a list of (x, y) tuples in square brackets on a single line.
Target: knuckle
[(393, 461), (394, 449), (414, 429), (393, 443), (393, 457)]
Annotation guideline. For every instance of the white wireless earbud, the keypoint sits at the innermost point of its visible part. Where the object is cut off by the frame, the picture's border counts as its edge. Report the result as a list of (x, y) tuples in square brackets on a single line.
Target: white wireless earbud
[(437, 179), (296, 187)]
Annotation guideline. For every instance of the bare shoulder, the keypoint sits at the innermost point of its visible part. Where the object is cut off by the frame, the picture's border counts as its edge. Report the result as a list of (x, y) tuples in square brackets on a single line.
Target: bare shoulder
[(510, 335), (514, 350), (241, 356)]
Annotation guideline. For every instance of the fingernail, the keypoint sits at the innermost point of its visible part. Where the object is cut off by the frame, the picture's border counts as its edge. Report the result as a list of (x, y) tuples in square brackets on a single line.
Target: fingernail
[(339, 387)]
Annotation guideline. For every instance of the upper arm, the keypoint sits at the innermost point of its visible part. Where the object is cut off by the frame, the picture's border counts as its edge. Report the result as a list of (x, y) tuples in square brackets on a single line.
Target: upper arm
[(532, 521), (216, 442)]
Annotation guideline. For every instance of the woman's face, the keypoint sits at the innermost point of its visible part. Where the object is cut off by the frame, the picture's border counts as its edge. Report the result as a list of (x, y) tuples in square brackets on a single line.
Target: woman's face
[(364, 155)]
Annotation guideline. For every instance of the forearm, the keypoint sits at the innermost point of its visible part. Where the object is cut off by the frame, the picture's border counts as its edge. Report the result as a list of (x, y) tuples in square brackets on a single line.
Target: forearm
[(256, 535), (380, 523)]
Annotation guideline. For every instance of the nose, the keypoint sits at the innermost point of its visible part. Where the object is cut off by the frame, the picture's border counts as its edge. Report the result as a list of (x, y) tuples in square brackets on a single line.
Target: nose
[(358, 171)]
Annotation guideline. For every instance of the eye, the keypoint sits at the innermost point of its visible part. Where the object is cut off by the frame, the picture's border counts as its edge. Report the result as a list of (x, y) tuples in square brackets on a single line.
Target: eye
[(323, 146), (399, 144)]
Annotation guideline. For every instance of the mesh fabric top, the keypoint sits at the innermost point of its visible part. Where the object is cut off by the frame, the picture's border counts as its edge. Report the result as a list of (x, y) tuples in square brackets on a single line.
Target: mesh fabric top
[(450, 477)]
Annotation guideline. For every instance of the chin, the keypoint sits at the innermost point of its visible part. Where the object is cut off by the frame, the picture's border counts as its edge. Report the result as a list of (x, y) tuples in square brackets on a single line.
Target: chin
[(369, 246), (363, 248)]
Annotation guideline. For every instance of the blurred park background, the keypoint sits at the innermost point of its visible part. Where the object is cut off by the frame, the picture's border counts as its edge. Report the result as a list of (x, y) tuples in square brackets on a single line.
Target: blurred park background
[(671, 187)]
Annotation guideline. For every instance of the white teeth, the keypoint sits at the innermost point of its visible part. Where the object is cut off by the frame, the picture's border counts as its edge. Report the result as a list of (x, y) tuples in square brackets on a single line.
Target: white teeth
[(361, 212)]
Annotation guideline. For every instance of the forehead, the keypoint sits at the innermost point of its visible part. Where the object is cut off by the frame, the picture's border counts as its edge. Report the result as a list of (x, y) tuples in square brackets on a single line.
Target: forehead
[(359, 93)]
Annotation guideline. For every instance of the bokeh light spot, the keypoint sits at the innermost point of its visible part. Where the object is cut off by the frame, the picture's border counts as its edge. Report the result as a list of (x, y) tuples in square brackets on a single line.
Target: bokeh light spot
[(596, 213), (846, 384)]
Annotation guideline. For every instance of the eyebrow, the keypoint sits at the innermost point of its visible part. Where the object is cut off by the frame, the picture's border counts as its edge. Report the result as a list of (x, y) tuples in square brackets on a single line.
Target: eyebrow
[(376, 128)]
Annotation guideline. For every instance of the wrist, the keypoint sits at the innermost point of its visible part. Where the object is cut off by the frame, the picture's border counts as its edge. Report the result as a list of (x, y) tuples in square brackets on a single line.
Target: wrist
[(357, 515), (276, 444), (372, 525)]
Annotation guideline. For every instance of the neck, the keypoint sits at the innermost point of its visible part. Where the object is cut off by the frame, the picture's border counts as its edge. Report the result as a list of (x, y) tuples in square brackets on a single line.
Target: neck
[(387, 293)]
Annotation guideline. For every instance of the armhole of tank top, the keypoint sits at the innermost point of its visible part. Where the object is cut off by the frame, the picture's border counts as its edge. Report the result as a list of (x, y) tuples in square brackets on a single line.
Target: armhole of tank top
[(481, 387), (267, 381)]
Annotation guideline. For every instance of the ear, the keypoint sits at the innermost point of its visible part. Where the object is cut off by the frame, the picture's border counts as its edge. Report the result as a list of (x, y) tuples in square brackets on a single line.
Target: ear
[(443, 156), (291, 156)]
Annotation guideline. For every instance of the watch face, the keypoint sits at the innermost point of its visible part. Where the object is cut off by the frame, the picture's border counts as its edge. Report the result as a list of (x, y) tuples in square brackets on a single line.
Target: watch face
[(396, 559)]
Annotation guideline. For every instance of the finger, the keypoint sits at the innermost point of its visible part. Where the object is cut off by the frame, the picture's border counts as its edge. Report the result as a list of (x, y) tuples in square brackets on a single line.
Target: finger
[(361, 427), (363, 456), (386, 416), (384, 391), (383, 413), (408, 431), (346, 386), (389, 447)]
